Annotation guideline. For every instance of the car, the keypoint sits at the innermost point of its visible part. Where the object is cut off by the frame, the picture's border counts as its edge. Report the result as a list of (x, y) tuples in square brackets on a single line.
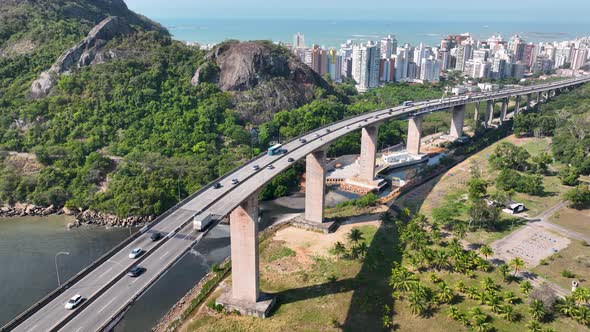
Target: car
[(376, 116), (366, 120), (327, 130), (290, 160), (135, 253), (255, 167), (217, 185), (136, 271), (347, 127), (270, 167), (303, 140), (234, 181), (73, 302), (317, 135), (359, 125), (155, 237)]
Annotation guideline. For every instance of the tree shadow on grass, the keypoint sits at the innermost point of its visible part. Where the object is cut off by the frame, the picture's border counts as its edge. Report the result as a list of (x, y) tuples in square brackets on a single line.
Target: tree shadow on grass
[(371, 291)]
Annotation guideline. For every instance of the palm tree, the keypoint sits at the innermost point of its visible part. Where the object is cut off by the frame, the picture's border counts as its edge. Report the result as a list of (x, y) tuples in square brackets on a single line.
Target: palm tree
[(460, 286), (581, 295), (517, 264), (402, 279), (567, 306), (362, 249), (472, 292), (534, 326), (537, 310), (508, 313), (504, 270), (433, 277), (445, 293), (488, 284), (510, 297), (386, 217), (454, 313), (494, 303), (486, 251), (418, 303), (582, 315), (355, 235), (526, 287), (460, 229), (440, 260), (339, 249)]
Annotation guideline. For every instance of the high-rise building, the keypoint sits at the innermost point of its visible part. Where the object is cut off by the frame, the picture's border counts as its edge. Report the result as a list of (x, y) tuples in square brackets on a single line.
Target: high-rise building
[(528, 55), (463, 54), (334, 65), (387, 70), (580, 58), (365, 66), (298, 41), (430, 69), (388, 46), (516, 46)]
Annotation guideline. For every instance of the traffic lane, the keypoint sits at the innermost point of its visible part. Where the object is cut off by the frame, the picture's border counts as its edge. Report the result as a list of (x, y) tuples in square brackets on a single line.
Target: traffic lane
[(54, 312), (109, 304)]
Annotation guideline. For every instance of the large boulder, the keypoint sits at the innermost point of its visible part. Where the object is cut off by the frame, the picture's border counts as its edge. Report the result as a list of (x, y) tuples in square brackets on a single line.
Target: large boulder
[(262, 78), (89, 51)]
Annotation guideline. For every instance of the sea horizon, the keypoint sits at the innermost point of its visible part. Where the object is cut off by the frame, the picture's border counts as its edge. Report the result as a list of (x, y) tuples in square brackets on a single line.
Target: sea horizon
[(333, 32)]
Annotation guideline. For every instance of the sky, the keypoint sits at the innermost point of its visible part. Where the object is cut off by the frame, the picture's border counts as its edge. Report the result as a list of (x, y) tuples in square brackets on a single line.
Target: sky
[(497, 10)]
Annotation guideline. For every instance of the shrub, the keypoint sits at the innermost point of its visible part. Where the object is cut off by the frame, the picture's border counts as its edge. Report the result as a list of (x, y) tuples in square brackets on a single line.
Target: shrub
[(568, 274)]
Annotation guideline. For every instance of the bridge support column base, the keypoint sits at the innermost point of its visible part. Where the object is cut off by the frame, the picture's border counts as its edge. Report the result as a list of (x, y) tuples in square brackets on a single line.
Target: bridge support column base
[(324, 227), (260, 308)]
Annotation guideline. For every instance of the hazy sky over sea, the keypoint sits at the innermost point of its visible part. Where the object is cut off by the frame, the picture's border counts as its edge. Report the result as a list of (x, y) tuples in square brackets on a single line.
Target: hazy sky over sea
[(496, 10)]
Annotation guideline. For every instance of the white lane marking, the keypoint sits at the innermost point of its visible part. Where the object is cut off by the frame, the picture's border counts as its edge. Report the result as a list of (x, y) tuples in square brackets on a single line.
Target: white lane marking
[(164, 255), (105, 272), (106, 305), (78, 330), (32, 328)]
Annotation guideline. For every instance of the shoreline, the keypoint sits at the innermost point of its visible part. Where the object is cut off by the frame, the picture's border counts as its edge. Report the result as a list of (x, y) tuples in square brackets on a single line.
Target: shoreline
[(84, 217)]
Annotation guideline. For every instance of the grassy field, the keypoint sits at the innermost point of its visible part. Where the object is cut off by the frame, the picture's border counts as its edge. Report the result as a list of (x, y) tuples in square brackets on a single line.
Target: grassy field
[(575, 220), (317, 291), (575, 258)]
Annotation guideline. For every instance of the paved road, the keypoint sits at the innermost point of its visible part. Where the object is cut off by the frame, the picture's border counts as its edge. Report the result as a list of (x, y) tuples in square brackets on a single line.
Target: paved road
[(108, 291)]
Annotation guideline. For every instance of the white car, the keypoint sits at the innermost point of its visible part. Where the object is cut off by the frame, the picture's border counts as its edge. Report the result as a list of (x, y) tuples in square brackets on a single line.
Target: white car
[(135, 253), (73, 302)]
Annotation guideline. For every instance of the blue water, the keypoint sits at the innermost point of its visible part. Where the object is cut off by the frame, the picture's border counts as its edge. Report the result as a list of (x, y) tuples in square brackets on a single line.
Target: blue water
[(333, 32)]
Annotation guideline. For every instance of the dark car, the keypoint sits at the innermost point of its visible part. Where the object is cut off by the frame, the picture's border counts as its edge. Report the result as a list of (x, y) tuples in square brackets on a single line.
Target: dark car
[(156, 236), (217, 185), (290, 160), (303, 140), (136, 271)]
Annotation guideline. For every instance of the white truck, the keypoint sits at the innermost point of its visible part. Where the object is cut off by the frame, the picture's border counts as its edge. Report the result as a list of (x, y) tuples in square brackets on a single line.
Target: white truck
[(201, 222)]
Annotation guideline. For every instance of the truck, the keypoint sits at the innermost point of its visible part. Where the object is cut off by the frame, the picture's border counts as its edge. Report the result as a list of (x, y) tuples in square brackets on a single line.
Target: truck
[(201, 222)]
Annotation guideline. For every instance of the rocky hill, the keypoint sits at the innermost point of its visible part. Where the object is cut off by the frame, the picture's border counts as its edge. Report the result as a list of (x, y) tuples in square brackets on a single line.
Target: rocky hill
[(262, 78)]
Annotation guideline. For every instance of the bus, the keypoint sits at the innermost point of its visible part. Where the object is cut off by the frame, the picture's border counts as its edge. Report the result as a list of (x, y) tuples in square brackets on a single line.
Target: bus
[(275, 149)]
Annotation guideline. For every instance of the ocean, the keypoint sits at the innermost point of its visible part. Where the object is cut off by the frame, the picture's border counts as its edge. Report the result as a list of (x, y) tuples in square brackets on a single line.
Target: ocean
[(333, 32)]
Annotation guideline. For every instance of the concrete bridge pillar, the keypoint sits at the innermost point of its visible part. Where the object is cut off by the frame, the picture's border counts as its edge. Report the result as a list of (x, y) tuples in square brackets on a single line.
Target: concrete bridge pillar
[(243, 226), (504, 110), (490, 112), (315, 178), (539, 97), (245, 293), (457, 121), (476, 114), (517, 106), (529, 97), (368, 153), (414, 135)]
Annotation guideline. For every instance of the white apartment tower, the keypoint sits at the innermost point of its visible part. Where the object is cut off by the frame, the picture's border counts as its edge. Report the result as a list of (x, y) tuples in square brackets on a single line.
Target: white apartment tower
[(365, 66)]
